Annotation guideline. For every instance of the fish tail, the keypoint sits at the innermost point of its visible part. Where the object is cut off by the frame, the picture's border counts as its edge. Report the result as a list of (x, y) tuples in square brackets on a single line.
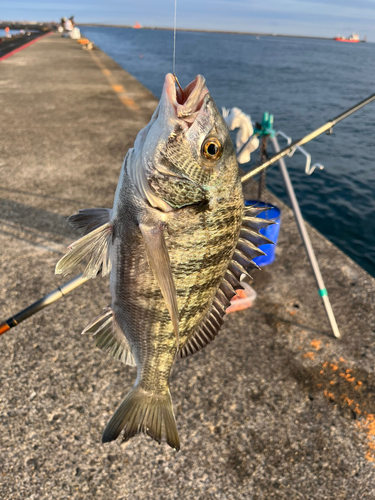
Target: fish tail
[(146, 412)]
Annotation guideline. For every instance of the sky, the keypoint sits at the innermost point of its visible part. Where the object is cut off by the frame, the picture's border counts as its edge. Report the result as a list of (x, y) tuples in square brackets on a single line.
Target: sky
[(326, 18)]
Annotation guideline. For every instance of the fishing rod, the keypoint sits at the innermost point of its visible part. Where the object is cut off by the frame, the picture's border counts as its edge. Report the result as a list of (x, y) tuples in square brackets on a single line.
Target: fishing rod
[(300, 142), (41, 303), (78, 280)]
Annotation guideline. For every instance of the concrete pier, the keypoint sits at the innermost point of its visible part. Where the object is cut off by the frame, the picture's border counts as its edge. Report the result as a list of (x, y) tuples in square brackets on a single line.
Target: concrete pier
[(274, 408)]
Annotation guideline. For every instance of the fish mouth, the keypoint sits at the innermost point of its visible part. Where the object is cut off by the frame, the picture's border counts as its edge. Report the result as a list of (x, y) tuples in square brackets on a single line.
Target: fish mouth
[(186, 102)]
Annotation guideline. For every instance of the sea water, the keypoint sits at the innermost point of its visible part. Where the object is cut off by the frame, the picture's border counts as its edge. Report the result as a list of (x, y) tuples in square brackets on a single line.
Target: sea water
[(303, 83)]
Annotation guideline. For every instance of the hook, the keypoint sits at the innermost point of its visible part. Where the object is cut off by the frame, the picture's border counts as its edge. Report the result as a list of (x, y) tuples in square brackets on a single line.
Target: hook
[(178, 83)]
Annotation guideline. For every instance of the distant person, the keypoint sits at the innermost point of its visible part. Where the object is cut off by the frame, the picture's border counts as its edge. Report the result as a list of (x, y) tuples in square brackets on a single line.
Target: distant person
[(7, 33), (68, 26)]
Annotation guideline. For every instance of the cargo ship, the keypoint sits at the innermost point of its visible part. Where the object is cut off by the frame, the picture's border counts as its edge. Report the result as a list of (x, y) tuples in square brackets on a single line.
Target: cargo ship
[(353, 38)]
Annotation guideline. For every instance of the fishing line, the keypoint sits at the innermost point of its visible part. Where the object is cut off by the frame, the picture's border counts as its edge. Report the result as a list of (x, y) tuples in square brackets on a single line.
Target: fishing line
[(174, 39), (174, 47)]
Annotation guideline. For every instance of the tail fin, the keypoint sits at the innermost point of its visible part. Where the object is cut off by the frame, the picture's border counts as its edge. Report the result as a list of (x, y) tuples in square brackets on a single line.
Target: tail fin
[(144, 412)]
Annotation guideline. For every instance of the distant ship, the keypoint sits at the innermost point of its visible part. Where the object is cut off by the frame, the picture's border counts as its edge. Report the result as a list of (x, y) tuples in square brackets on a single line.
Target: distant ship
[(353, 38), (137, 26)]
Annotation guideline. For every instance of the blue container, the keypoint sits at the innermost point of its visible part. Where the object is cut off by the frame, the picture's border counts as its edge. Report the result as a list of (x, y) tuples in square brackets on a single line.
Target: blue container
[(271, 232)]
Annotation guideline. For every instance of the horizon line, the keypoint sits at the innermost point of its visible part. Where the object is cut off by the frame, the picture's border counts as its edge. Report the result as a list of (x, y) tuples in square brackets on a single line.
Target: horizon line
[(197, 30), (163, 28)]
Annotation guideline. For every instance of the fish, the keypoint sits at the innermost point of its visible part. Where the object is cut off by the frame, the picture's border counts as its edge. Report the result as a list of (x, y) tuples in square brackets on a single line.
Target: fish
[(175, 244)]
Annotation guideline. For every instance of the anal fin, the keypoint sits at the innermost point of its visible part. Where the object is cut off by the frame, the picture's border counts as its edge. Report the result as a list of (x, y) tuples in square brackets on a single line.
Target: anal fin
[(109, 337)]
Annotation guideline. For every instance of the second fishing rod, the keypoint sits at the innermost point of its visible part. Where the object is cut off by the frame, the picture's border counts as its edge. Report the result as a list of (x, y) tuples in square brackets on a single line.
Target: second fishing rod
[(304, 140)]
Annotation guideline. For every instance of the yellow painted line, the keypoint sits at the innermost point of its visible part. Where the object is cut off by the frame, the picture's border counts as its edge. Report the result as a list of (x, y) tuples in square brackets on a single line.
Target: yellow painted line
[(97, 60), (123, 96), (119, 89), (129, 102)]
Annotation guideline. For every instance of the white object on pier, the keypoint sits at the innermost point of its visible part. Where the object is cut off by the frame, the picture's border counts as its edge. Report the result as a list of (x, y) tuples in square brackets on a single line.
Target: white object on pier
[(237, 119), (76, 33)]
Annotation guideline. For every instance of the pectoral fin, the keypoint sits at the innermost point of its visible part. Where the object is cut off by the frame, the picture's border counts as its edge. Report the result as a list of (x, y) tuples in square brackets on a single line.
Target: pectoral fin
[(158, 258), (93, 247)]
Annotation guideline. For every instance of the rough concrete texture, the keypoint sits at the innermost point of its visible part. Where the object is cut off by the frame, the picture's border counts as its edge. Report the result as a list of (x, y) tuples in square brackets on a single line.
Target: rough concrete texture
[(275, 408)]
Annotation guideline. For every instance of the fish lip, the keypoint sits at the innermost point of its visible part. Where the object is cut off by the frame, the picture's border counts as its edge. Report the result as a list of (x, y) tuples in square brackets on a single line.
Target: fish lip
[(187, 103)]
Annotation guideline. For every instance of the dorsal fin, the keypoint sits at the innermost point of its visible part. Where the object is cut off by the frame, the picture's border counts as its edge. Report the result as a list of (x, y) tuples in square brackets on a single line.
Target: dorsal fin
[(246, 249), (254, 211), (249, 241), (256, 222), (210, 326)]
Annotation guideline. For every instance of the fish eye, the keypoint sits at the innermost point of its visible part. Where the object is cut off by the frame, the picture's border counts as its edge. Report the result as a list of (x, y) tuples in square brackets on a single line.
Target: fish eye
[(212, 148)]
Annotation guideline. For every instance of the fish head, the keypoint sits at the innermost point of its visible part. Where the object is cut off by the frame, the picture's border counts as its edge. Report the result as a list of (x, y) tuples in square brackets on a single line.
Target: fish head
[(186, 153)]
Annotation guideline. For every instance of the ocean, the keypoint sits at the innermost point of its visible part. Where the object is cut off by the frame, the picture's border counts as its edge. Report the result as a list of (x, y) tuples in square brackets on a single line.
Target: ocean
[(303, 83)]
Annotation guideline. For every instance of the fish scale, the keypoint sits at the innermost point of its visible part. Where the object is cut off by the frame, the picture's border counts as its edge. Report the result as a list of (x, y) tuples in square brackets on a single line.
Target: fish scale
[(173, 248), (206, 273)]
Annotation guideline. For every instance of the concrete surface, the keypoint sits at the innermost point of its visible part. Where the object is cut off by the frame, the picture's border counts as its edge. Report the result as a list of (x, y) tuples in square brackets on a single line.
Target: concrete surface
[(275, 408)]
